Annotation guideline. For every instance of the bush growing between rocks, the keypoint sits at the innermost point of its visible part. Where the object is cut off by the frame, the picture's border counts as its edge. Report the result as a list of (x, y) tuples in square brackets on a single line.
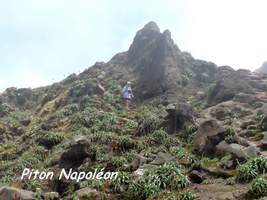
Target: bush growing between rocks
[(118, 184), (96, 121), (261, 163), (263, 123), (50, 139), (251, 169), (126, 143), (148, 122), (188, 133), (258, 188), (82, 87), (30, 158), (130, 125), (246, 172), (6, 180), (103, 137), (259, 117), (108, 119), (4, 110), (118, 161), (86, 118), (167, 176), (8, 151), (230, 181), (66, 111), (178, 152), (160, 136), (230, 136), (16, 119), (93, 183), (187, 195)]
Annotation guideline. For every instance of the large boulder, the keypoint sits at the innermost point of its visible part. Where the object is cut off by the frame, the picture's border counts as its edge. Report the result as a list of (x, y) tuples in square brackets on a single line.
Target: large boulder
[(51, 196), (88, 193), (162, 158), (208, 135), (236, 150), (229, 83), (76, 153), (138, 161), (246, 98), (178, 115), (220, 191), (10, 193)]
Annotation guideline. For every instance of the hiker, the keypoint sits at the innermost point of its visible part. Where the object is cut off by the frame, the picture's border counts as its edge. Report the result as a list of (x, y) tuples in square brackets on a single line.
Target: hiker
[(127, 94)]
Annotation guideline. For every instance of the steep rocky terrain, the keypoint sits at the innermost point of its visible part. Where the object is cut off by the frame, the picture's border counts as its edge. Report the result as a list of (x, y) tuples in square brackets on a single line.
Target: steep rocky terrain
[(194, 130), (263, 68)]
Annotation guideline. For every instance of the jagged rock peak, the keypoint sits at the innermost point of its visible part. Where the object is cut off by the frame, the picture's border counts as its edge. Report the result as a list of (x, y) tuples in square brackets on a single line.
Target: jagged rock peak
[(152, 26), (167, 33), (147, 40), (149, 32)]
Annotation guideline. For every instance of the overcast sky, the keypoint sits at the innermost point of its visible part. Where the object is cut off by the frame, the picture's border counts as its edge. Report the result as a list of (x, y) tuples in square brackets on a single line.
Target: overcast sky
[(43, 41)]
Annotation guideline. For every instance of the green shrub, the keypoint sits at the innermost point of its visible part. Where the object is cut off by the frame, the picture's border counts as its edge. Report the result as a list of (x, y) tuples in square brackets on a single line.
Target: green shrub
[(230, 136), (148, 122), (230, 181), (118, 161), (82, 87), (258, 188), (126, 143), (259, 117), (112, 98), (87, 118), (100, 152), (50, 139), (167, 176), (160, 136), (66, 111), (263, 123), (8, 151), (32, 185), (187, 195), (4, 109), (104, 137), (188, 133), (108, 120), (15, 119), (5, 180), (261, 163), (144, 187), (246, 172), (178, 152), (30, 159), (252, 169), (121, 181), (130, 125), (93, 183)]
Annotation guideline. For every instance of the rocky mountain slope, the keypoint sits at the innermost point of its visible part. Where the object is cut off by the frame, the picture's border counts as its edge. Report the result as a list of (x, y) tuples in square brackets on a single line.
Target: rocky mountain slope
[(263, 68), (194, 130)]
